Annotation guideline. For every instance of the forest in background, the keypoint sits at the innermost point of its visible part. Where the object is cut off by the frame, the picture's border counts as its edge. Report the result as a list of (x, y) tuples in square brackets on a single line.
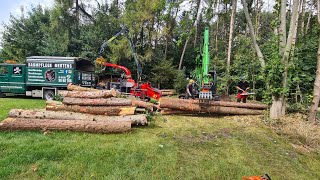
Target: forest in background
[(276, 49)]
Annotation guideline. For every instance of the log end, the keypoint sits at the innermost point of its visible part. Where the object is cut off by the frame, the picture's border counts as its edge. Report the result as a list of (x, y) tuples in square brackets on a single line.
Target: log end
[(113, 92)]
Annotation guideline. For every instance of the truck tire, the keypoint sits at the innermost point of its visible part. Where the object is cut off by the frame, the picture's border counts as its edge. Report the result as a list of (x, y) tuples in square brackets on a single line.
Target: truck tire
[(1, 95), (48, 95)]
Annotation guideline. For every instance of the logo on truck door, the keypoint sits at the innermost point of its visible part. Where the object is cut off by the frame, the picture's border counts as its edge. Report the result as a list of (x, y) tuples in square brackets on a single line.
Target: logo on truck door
[(17, 70), (50, 75)]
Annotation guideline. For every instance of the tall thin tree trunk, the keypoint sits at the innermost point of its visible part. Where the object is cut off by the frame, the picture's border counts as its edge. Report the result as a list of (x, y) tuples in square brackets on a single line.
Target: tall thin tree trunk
[(303, 14), (309, 18), (183, 51), (186, 43), (316, 89), (234, 6), (257, 24), (197, 26), (253, 36), (294, 37), (282, 29)]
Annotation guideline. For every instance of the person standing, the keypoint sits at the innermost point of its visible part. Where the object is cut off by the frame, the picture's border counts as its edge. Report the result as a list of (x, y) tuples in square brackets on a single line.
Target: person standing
[(242, 88)]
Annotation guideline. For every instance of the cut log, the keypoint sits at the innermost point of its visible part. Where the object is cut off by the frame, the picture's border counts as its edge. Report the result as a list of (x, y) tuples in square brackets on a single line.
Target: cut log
[(62, 93), (71, 87), (188, 105), (49, 102), (89, 94), (172, 112), (65, 125), (146, 105), (96, 110), (213, 103), (167, 92), (43, 114), (98, 102)]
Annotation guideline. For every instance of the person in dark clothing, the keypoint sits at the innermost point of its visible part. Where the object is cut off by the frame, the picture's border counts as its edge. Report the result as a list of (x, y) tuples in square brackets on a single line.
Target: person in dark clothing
[(242, 88), (189, 89)]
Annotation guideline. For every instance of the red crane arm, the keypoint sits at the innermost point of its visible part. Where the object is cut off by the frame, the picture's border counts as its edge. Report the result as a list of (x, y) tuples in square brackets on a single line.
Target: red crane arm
[(126, 70)]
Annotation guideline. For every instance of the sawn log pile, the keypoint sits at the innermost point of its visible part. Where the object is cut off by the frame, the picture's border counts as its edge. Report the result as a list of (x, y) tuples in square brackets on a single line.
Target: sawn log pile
[(83, 110), (189, 106)]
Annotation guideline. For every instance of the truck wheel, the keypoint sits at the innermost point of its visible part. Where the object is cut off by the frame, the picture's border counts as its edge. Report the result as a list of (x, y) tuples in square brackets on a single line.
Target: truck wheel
[(1, 95), (48, 95)]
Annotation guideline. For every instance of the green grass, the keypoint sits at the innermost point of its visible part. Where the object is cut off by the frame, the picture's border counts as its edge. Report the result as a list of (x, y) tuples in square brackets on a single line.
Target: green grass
[(173, 147)]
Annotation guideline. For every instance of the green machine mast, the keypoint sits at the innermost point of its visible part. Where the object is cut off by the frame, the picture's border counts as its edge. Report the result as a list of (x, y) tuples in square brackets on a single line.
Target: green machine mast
[(205, 78)]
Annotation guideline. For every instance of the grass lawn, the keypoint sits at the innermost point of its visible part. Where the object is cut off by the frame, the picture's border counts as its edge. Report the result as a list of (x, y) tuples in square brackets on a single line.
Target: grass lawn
[(173, 147)]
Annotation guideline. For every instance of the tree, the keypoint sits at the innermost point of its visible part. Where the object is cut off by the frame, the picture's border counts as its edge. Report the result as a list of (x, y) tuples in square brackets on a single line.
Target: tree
[(278, 107), (316, 89)]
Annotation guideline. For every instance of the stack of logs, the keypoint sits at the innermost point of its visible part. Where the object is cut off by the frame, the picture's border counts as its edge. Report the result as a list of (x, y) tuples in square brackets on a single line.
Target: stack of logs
[(189, 106), (82, 109)]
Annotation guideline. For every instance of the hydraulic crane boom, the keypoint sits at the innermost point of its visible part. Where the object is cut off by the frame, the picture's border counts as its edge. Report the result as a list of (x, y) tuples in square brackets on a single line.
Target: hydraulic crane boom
[(205, 77)]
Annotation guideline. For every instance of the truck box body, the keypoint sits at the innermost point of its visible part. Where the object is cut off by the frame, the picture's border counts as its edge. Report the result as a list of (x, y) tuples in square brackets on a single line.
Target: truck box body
[(45, 72)]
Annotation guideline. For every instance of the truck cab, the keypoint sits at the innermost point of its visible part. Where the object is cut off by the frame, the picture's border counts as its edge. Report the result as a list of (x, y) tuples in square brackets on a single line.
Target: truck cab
[(12, 78), (44, 76)]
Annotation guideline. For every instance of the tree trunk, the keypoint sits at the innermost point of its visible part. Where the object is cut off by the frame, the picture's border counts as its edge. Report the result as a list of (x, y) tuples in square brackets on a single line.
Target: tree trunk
[(43, 114), (97, 102), (258, 14), (234, 6), (309, 18), (96, 110), (253, 37), (278, 106), (277, 109), (166, 101), (303, 14), (293, 26), (294, 36), (89, 94), (183, 51), (282, 29), (66, 125), (71, 87), (316, 88)]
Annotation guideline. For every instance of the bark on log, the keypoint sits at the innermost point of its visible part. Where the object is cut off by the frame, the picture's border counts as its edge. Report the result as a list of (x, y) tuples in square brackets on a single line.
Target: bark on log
[(71, 87), (187, 105), (214, 103), (97, 102), (89, 94), (43, 114), (146, 105), (96, 110), (65, 125)]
